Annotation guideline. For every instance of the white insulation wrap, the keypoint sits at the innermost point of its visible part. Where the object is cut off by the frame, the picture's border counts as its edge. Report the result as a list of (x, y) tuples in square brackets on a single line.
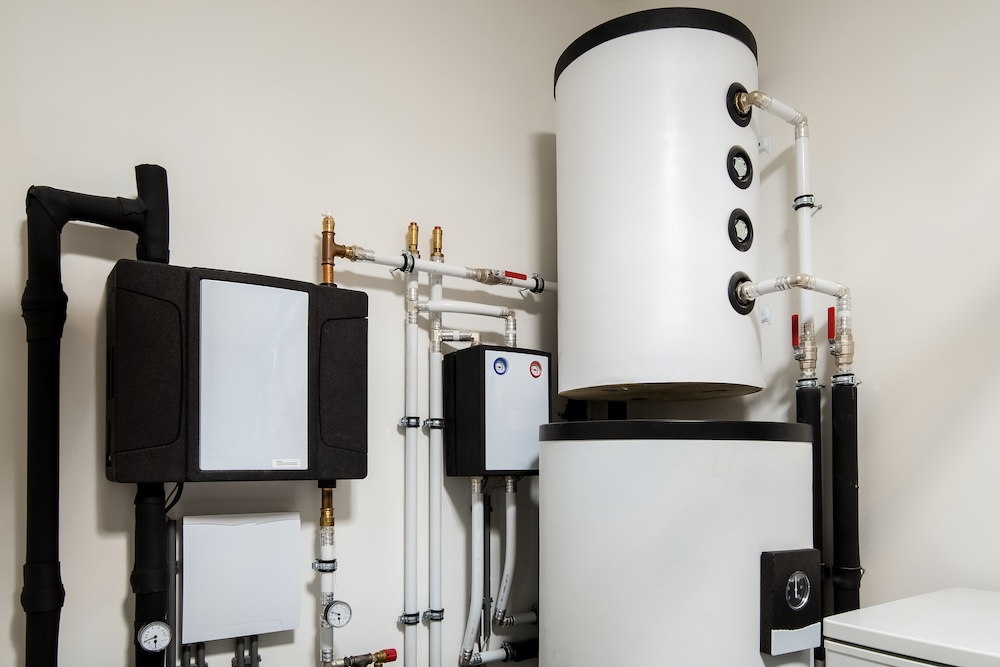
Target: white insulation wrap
[(645, 197), (651, 534)]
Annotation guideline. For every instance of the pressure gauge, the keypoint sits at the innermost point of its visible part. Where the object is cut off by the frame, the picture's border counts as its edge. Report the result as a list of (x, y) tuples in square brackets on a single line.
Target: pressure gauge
[(797, 590), (337, 613), (154, 636)]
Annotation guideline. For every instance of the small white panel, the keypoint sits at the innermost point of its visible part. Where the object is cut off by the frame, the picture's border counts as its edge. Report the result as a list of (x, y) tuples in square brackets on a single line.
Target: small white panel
[(242, 575), (788, 641), (957, 627), (254, 385), (517, 403)]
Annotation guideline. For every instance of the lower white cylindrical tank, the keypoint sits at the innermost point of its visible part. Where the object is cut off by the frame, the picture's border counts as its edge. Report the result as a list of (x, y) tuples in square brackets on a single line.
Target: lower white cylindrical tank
[(657, 200), (651, 534)]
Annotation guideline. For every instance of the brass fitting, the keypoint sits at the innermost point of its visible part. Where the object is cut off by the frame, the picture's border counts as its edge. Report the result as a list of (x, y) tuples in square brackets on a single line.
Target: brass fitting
[(436, 253), (412, 236), (328, 255), (331, 250), (326, 513)]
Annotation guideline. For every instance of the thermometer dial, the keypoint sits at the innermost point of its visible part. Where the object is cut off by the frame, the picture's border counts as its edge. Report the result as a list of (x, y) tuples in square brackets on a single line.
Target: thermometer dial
[(154, 637), (337, 613)]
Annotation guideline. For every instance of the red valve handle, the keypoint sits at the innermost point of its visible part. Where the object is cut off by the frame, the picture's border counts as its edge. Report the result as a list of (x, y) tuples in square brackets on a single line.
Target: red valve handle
[(831, 323), (795, 330), (390, 655)]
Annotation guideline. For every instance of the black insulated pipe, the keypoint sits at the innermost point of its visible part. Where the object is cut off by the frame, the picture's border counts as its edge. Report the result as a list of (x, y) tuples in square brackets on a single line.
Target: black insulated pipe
[(43, 307), (808, 411), (526, 649), (847, 569), (151, 571)]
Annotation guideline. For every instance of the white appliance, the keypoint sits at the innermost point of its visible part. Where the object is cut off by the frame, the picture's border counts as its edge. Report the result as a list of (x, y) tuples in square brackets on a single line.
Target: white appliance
[(653, 223), (651, 535), (958, 627)]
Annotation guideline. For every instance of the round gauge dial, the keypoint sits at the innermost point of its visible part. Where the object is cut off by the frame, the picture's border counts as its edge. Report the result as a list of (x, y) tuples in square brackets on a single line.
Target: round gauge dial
[(337, 613), (797, 590), (154, 636)]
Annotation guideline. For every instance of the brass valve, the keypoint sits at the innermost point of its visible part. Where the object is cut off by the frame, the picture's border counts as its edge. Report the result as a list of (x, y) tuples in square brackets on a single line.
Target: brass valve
[(326, 512), (436, 244), (412, 235)]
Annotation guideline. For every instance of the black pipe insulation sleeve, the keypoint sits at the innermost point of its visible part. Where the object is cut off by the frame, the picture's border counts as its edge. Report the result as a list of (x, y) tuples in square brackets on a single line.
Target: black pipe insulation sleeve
[(807, 411), (847, 569), (43, 594), (526, 649), (154, 236), (151, 573)]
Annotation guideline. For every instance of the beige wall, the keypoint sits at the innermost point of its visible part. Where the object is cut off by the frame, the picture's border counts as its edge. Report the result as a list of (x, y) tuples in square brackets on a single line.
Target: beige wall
[(441, 112)]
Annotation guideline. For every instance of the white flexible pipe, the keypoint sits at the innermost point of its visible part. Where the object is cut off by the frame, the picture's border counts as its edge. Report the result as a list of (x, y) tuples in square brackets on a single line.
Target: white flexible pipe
[(523, 617), (509, 556), (435, 479), (799, 280), (410, 444), (476, 572), (496, 655)]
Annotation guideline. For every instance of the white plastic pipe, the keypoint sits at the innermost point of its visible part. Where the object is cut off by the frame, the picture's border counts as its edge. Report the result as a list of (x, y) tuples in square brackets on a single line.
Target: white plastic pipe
[(435, 477), (524, 617), (476, 571), (444, 306), (495, 655), (405, 261), (509, 556), (510, 321), (327, 552), (410, 444), (804, 222)]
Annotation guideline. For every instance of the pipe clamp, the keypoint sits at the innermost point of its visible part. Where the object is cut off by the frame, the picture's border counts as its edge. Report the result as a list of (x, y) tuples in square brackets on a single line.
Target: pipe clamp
[(325, 565), (434, 615)]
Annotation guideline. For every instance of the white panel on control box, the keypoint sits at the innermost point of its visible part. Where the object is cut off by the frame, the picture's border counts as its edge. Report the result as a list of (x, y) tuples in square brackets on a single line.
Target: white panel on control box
[(242, 575), (254, 390), (517, 403)]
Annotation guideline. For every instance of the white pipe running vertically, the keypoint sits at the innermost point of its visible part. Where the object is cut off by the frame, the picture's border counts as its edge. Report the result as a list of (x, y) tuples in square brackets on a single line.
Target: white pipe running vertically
[(327, 554), (475, 574), (510, 552), (435, 474), (410, 444)]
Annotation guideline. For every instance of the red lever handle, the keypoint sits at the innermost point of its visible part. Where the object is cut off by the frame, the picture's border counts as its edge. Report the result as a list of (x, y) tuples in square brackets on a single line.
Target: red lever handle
[(795, 330), (831, 323)]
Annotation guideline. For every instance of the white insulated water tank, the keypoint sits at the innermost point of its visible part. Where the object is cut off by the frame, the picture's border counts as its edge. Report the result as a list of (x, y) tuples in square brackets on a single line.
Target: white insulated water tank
[(651, 534), (657, 205)]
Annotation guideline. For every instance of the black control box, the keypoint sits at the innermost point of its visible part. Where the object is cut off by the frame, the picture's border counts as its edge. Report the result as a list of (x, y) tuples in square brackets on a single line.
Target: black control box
[(495, 398), (216, 375), (791, 607)]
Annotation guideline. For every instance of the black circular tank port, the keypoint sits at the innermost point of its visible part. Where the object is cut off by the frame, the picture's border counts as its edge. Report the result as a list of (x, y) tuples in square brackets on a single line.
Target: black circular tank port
[(734, 283), (740, 168), (741, 119), (740, 230)]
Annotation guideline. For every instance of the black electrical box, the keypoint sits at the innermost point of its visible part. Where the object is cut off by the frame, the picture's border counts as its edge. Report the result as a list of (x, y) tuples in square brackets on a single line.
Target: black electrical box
[(216, 375), (495, 398)]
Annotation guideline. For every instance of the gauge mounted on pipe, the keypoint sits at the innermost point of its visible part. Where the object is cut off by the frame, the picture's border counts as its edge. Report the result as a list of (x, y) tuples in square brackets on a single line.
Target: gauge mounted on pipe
[(154, 636), (337, 613)]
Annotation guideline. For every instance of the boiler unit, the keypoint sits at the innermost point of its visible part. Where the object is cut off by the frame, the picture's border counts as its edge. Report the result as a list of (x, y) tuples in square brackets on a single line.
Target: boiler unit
[(656, 187)]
